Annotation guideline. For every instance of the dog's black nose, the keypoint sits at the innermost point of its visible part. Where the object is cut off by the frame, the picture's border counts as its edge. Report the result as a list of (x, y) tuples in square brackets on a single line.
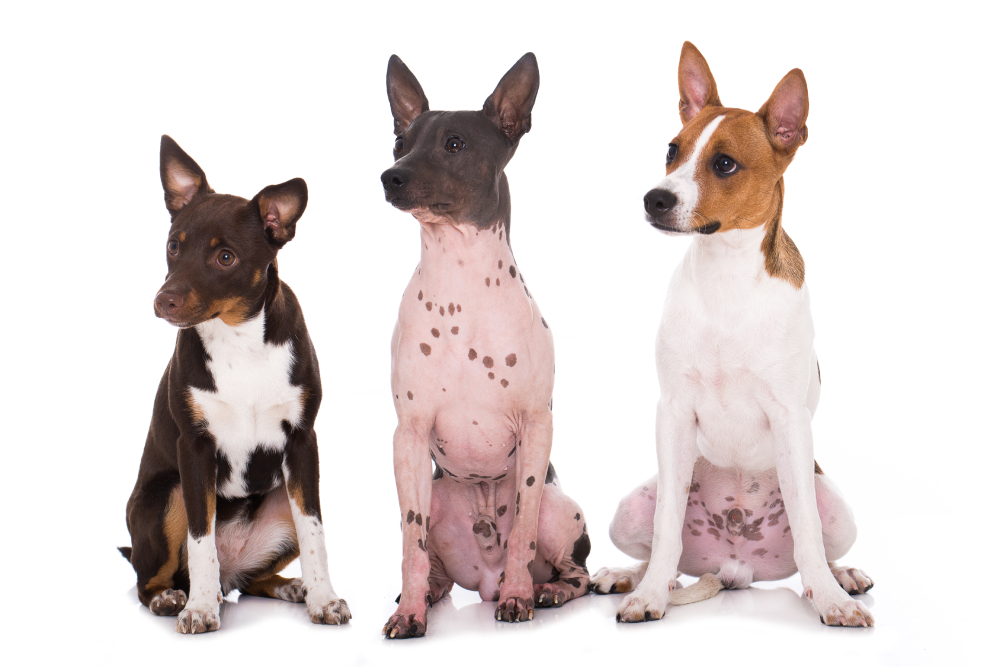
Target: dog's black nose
[(168, 304), (658, 202), (394, 179)]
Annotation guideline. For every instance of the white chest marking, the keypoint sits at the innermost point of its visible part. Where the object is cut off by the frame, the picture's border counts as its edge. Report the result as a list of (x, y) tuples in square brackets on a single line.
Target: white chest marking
[(681, 181), (253, 395)]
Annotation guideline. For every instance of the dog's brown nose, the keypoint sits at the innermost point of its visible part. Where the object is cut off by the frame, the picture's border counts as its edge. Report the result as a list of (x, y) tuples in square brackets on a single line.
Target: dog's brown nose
[(167, 304)]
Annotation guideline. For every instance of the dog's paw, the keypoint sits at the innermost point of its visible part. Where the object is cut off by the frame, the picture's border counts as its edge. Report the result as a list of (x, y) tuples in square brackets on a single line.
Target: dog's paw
[(404, 626), (619, 580), (515, 609), (645, 604), (292, 591), (852, 580), (335, 612), (197, 620), (850, 614), (548, 595), (168, 602)]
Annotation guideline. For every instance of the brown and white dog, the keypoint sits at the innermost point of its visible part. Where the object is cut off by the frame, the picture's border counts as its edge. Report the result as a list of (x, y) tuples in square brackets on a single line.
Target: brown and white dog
[(228, 486), (739, 377)]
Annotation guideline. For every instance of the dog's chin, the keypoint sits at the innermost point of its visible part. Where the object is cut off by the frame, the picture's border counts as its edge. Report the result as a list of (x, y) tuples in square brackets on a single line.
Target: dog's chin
[(667, 229)]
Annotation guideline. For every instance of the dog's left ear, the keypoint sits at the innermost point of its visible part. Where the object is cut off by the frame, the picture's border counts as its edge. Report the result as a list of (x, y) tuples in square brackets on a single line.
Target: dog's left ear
[(280, 208), (785, 112), (509, 107)]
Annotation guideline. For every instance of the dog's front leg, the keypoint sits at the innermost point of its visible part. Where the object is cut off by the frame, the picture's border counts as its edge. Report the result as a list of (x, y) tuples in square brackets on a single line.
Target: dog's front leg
[(796, 477), (301, 469), (517, 587), (412, 465), (197, 460), (676, 452)]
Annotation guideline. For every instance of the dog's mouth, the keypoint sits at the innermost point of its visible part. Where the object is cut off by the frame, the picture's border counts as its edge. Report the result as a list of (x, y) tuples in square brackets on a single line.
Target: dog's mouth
[(709, 228)]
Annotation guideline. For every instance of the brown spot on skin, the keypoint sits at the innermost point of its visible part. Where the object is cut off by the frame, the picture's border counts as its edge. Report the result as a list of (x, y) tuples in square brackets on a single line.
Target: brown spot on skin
[(498, 281), (409, 395), (500, 264), (544, 323), (426, 349), (487, 282), (454, 331), (429, 306), (491, 376), (511, 359), (420, 295), (472, 354), (442, 311), (713, 531), (531, 563), (435, 333), (451, 309), (410, 516), (532, 546), (475, 423), (420, 543), (512, 450), (698, 522), (420, 520), (214, 242), (787, 528), (513, 273), (759, 552), (504, 383), (458, 307), (733, 556), (729, 499), (488, 362), (501, 510), (530, 481), (696, 533), (819, 375), (754, 488)]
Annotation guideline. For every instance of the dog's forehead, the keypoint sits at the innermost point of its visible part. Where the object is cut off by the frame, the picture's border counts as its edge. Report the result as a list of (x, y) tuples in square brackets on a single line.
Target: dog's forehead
[(467, 124), (211, 214), (740, 131)]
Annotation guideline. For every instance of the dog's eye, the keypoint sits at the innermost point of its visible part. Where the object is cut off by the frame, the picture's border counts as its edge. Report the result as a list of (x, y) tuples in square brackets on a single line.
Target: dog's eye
[(725, 165), (671, 153), (398, 146), (226, 258), (454, 144), (173, 247)]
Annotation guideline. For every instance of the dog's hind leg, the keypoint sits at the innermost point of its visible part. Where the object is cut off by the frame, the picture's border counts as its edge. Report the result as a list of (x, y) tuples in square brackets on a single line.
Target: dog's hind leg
[(632, 532), (560, 566), (157, 522)]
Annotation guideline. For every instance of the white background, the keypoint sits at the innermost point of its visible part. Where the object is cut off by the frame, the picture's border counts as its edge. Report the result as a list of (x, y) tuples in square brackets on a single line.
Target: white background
[(891, 203)]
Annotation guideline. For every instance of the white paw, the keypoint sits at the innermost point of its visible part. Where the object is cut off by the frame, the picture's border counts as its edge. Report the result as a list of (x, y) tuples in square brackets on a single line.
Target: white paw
[(852, 580), (335, 612), (643, 605), (841, 609), (618, 580), (196, 620)]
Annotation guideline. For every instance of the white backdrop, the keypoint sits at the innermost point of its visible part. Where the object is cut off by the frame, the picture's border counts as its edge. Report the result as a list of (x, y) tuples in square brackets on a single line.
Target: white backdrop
[(891, 203)]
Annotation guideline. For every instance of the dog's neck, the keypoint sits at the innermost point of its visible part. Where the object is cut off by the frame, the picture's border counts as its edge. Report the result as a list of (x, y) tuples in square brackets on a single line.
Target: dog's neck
[(463, 253)]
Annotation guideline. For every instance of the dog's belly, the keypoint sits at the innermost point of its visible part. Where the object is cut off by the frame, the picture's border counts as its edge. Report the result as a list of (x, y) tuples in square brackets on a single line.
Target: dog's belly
[(735, 525), (473, 443)]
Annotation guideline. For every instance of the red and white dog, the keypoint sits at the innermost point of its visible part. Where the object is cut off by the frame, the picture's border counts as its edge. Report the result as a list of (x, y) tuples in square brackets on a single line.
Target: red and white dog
[(739, 377)]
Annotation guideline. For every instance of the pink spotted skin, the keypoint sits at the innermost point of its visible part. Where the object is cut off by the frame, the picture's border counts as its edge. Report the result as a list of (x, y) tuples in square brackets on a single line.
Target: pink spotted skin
[(735, 525)]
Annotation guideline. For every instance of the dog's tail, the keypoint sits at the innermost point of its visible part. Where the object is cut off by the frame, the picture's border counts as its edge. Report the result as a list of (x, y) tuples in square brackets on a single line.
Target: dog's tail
[(706, 587), (127, 553)]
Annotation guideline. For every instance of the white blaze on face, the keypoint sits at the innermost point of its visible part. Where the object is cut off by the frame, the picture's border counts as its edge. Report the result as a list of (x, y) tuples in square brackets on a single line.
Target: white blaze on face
[(681, 181)]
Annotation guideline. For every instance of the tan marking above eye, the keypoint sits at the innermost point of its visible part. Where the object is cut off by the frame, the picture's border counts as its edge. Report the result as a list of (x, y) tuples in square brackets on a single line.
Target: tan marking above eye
[(182, 236), (214, 242)]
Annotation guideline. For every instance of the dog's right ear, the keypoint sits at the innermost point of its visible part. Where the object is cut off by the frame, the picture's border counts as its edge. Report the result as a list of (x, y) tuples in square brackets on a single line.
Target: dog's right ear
[(181, 176), (406, 97), (696, 83)]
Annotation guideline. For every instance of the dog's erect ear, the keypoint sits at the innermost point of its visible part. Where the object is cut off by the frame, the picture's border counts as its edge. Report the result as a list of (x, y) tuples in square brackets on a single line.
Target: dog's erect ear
[(280, 208), (509, 107), (406, 97), (785, 112), (181, 176), (696, 83)]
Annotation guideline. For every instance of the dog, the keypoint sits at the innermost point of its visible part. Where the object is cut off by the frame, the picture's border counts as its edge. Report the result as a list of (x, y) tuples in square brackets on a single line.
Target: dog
[(739, 377), (228, 487), (472, 371)]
